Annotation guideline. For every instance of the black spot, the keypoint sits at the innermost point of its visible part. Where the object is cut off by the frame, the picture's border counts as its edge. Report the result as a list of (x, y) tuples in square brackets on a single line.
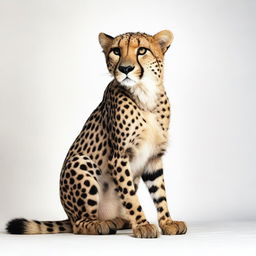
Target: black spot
[(76, 164), (110, 166), (80, 202), (129, 183), (121, 179), (163, 187), (93, 190), (84, 195), (73, 173), (139, 209), (128, 205), (100, 147), (127, 173), (153, 189), (138, 217), (50, 229), (71, 181), (80, 176), (89, 164), (87, 183), (83, 167), (61, 229), (92, 202), (123, 163), (104, 152), (132, 192), (160, 209), (162, 218), (94, 211), (16, 226)]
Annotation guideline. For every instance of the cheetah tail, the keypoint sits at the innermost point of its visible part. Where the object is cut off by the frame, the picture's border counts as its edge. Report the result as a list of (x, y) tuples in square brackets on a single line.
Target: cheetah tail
[(23, 226)]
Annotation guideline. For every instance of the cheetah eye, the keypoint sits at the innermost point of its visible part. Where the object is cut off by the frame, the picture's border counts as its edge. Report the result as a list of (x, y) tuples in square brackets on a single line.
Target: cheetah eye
[(116, 51), (142, 50)]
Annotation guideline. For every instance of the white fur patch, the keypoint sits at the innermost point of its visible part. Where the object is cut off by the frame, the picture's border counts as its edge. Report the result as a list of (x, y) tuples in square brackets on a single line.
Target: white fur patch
[(139, 162), (146, 91), (128, 82)]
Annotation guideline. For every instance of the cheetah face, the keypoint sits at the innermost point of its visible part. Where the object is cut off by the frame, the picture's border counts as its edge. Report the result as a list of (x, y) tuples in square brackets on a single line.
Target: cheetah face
[(136, 58)]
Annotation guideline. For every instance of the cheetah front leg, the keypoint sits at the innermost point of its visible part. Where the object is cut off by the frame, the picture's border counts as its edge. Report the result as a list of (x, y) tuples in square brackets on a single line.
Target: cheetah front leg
[(153, 177), (122, 177)]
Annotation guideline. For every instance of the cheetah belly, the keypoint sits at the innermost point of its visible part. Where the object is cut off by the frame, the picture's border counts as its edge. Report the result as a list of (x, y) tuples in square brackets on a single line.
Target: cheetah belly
[(109, 202)]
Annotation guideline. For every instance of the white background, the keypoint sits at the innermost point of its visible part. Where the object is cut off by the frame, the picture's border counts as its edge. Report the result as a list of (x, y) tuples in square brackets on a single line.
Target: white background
[(53, 74)]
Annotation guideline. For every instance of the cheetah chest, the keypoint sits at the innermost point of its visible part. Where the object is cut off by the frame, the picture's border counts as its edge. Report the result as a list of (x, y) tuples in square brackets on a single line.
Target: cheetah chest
[(152, 142)]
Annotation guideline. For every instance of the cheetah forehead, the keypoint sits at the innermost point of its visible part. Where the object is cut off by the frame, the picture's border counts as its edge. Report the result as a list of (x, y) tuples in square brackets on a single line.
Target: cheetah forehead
[(135, 40), (159, 42)]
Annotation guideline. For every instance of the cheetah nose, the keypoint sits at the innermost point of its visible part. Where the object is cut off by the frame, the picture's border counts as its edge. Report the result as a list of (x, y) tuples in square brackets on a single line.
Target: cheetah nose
[(126, 69)]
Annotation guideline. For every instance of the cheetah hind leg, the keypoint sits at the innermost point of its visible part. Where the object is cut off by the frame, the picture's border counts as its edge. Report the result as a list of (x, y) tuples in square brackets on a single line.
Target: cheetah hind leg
[(80, 197)]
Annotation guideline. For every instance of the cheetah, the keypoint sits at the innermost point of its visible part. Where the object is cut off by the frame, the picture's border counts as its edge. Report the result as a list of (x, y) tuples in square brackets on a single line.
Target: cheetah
[(123, 140)]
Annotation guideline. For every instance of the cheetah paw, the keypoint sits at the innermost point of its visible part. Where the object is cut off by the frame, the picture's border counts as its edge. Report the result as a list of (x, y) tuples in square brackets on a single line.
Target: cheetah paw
[(146, 231), (174, 228)]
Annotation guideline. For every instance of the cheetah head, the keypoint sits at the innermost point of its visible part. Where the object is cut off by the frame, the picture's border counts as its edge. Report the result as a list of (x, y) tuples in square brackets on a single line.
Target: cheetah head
[(136, 58)]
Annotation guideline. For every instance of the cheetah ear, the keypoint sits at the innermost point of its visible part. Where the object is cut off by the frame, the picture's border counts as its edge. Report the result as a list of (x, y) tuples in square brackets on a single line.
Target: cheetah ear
[(164, 38), (105, 41)]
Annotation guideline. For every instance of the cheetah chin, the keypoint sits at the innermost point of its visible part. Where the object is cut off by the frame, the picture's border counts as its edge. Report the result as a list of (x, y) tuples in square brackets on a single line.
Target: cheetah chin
[(128, 82)]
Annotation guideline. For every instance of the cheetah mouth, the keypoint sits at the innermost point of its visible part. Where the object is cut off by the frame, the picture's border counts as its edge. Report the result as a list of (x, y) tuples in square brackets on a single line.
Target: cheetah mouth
[(128, 82)]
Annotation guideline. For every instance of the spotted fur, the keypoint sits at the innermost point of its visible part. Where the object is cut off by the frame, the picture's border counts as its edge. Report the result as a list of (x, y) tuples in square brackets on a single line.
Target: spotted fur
[(123, 140)]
